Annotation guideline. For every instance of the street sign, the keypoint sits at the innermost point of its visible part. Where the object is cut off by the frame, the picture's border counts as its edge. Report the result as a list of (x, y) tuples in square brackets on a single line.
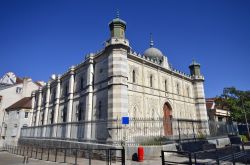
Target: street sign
[(125, 120)]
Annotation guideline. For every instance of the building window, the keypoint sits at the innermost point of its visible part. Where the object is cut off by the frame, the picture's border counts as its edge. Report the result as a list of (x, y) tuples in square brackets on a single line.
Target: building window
[(188, 92), (34, 119), (4, 131), (1, 99), (54, 95), (166, 85), (26, 114), (100, 116), (178, 88), (80, 114), (51, 116), (19, 90), (133, 76), (36, 101), (14, 131), (17, 112), (151, 81), (64, 114), (44, 99), (153, 114), (42, 118), (220, 118), (66, 90), (81, 83)]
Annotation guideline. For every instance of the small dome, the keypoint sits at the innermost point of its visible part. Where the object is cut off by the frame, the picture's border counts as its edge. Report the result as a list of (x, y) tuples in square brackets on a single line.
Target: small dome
[(153, 53)]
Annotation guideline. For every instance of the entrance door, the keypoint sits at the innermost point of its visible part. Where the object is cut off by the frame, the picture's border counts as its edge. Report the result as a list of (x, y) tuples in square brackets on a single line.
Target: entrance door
[(167, 119)]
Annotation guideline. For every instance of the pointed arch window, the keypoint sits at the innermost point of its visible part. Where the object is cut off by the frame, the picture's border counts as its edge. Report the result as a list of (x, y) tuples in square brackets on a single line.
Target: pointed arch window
[(133, 76), (81, 83), (166, 85), (80, 114), (43, 99), (42, 121), (53, 95), (64, 114), (151, 81), (100, 110), (178, 88), (188, 91), (66, 90), (34, 119), (52, 116), (153, 114), (134, 113)]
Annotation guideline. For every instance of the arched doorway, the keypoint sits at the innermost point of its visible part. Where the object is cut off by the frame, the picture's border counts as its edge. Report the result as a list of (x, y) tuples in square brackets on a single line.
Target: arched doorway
[(167, 119)]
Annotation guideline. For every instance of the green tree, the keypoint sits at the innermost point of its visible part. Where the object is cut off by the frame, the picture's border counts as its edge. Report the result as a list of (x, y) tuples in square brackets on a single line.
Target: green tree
[(237, 101)]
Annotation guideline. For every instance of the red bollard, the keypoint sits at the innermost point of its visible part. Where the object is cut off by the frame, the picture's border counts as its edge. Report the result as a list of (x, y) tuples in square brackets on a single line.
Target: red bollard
[(140, 154)]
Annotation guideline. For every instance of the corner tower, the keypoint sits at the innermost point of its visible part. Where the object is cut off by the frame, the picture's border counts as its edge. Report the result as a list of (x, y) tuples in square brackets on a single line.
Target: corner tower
[(117, 49), (195, 69), (199, 94), (117, 27)]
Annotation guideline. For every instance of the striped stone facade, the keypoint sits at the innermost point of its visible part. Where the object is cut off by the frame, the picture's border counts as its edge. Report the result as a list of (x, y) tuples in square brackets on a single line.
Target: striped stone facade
[(118, 82)]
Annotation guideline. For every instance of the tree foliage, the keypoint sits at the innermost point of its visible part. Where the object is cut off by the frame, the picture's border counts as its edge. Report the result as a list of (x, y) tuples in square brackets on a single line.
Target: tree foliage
[(237, 101)]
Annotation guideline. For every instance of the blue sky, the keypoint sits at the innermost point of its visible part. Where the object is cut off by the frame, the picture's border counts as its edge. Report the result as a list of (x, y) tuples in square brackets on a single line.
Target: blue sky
[(42, 37)]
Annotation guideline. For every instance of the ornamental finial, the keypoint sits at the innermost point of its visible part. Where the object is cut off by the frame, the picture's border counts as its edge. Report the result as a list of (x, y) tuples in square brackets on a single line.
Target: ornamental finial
[(117, 13), (151, 41)]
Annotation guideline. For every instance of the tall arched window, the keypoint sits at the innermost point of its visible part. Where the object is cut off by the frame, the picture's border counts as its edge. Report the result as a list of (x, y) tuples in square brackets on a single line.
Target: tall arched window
[(54, 95), (133, 76), (166, 85), (66, 90), (80, 112), (134, 115), (52, 116), (42, 121), (100, 116), (188, 92), (178, 88), (64, 114), (153, 114), (81, 83), (34, 119), (151, 81)]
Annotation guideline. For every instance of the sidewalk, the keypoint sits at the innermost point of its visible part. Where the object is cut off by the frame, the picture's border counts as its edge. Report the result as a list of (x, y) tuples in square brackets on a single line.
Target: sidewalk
[(12, 159)]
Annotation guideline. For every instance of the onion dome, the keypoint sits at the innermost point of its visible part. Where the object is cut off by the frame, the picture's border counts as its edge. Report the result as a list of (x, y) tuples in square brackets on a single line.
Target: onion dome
[(153, 52)]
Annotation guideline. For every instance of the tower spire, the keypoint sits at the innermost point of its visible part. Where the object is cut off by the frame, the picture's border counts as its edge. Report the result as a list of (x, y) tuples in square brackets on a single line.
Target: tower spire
[(151, 41)]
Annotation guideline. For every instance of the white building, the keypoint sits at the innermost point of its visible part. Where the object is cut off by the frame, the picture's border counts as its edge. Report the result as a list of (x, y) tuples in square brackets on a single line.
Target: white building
[(12, 89), (118, 82), (217, 112), (18, 115)]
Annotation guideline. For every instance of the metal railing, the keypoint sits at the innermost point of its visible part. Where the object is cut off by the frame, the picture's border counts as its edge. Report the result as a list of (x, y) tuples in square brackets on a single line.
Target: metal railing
[(70, 155), (145, 131), (217, 156)]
